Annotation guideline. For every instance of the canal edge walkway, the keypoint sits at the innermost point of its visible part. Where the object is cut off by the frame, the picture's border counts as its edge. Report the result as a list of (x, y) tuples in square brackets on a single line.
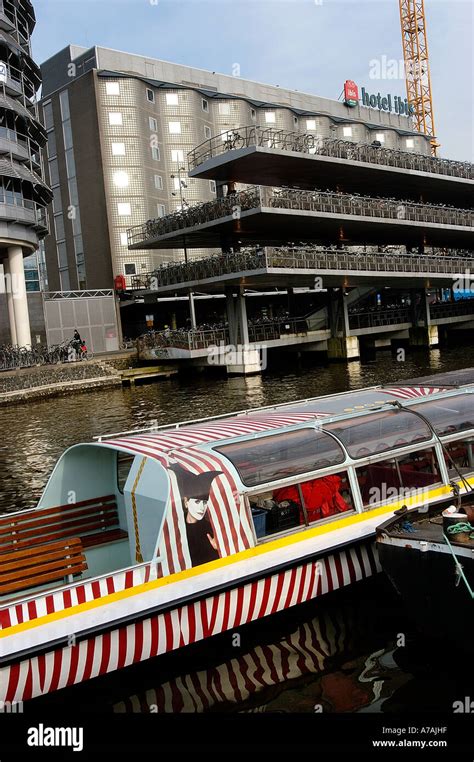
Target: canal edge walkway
[(103, 372), (42, 382)]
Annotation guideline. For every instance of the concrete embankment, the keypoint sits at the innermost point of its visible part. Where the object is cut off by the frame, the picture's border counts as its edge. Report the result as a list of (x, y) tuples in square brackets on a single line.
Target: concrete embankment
[(103, 372), (45, 381)]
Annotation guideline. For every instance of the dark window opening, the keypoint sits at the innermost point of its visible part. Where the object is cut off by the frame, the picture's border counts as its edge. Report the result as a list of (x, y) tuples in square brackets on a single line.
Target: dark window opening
[(124, 464), (460, 456), (301, 504), (395, 478)]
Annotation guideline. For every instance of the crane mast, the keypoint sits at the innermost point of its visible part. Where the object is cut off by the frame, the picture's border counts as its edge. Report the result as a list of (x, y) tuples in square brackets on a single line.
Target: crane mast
[(417, 68)]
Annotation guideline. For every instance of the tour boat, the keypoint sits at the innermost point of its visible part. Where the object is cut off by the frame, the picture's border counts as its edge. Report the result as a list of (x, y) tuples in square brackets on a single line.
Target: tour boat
[(146, 541), (428, 554)]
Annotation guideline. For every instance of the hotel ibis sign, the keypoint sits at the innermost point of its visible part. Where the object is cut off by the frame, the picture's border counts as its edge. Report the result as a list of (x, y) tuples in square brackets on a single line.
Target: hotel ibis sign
[(392, 103), (351, 93)]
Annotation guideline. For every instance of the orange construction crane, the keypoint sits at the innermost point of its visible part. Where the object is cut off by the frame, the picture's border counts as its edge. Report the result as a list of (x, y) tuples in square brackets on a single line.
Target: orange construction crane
[(417, 67)]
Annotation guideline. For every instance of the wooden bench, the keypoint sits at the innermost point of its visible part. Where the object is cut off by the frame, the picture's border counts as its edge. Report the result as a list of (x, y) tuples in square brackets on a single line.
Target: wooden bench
[(40, 565), (95, 521)]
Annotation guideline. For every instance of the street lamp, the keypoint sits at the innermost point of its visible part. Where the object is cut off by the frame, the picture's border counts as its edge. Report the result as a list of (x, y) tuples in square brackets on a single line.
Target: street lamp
[(181, 186)]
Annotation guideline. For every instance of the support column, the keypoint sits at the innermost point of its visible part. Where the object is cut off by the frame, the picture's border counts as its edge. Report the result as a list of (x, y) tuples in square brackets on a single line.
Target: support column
[(9, 295), (291, 302), (341, 345), (20, 303), (230, 309), (192, 311), (422, 333), (239, 357), (424, 337), (242, 324)]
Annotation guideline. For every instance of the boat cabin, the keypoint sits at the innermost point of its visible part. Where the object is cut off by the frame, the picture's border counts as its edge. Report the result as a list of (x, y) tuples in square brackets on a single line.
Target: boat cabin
[(169, 499)]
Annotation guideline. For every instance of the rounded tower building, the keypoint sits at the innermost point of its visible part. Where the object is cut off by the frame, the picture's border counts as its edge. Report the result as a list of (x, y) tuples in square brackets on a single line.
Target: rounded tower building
[(23, 193)]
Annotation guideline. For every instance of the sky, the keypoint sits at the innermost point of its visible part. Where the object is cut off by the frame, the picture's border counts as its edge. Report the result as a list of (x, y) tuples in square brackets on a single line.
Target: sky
[(307, 45)]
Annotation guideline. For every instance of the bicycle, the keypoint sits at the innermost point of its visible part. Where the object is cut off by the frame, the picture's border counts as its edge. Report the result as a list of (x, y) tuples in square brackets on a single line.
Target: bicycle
[(233, 141)]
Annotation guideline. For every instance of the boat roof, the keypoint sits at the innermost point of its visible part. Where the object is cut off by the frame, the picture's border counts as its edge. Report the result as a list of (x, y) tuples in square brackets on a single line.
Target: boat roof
[(155, 441)]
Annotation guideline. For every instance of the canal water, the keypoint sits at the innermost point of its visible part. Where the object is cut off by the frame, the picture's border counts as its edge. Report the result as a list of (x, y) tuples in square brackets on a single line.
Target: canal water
[(352, 651)]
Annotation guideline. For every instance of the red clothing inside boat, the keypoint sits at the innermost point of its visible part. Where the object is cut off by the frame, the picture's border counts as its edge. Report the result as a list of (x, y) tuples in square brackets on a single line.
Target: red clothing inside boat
[(321, 496)]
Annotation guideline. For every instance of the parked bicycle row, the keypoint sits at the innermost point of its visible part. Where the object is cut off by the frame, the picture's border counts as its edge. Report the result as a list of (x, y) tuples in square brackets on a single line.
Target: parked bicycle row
[(331, 202), (309, 256), (367, 206), (71, 350), (196, 214), (260, 328), (283, 140)]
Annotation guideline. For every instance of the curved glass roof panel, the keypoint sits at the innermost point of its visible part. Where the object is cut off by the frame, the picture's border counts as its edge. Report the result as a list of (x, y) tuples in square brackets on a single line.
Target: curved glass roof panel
[(377, 433), (450, 414), (279, 456), (359, 400)]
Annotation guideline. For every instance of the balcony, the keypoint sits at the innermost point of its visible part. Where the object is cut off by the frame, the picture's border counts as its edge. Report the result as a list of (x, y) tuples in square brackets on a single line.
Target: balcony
[(379, 318), (12, 143), (16, 82), (18, 15), (24, 210), (299, 266), (195, 340), (271, 215), (460, 308), (266, 156), (308, 143)]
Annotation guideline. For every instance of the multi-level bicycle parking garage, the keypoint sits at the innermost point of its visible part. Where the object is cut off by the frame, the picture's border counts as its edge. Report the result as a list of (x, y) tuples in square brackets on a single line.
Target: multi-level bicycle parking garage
[(293, 212)]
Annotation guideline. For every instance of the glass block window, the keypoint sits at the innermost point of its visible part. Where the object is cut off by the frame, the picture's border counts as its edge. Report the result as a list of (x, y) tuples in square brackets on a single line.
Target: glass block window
[(115, 119), (112, 88)]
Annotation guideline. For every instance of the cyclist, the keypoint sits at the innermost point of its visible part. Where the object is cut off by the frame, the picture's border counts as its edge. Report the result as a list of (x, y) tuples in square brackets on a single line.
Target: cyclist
[(76, 343)]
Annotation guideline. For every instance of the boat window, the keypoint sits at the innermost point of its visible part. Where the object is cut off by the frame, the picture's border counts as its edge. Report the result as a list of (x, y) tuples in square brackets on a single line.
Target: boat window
[(379, 432), (395, 478), (301, 504), (279, 456), (461, 454), (124, 464), (449, 415)]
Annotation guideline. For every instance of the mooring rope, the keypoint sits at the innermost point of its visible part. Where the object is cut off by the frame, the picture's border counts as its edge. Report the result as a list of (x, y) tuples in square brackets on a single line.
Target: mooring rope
[(459, 568), (463, 527)]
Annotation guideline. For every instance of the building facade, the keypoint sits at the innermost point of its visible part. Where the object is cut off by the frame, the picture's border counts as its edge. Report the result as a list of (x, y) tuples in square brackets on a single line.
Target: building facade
[(23, 193), (119, 129)]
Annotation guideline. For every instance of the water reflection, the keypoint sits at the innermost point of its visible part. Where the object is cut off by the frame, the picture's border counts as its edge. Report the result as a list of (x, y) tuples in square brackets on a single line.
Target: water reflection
[(35, 434), (327, 663), (436, 361)]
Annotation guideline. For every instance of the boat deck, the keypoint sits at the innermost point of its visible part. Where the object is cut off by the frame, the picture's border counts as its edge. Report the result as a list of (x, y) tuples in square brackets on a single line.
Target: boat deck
[(429, 529)]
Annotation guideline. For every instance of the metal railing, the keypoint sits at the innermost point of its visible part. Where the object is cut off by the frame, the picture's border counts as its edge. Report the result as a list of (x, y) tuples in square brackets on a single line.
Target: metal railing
[(320, 260), (22, 23), (282, 140), (16, 200), (379, 318), (343, 260), (42, 217), (202, 339), (183, 339), (196, 215), (24, 141), (452, 309), (89, 293), (363, 206), (26, 85), (257, 197), (277, 329)]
